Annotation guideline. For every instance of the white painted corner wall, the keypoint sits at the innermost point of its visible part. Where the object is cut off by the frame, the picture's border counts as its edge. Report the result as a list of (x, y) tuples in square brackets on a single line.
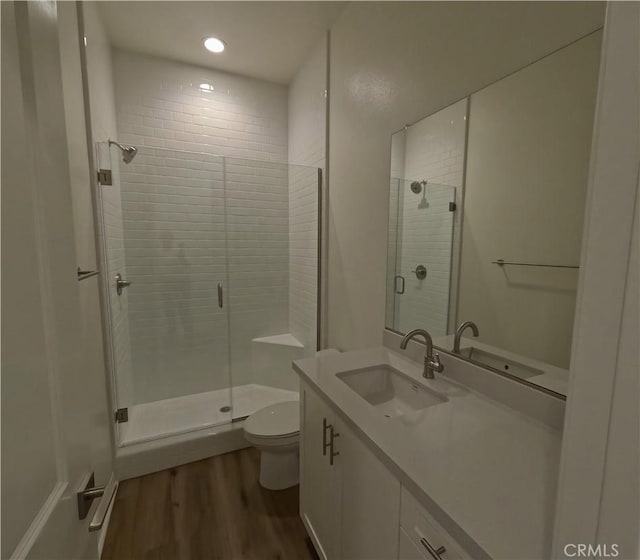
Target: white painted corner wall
[(598, 488)]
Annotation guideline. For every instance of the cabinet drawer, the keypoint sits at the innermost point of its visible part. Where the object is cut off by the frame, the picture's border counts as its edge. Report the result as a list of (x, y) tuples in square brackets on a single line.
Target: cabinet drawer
[(419, 525)]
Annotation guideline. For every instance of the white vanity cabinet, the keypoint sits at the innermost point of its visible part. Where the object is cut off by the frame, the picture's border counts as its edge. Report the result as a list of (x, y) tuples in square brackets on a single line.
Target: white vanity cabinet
[(370, 501), (353, 507), (349, 501), (319, 499)]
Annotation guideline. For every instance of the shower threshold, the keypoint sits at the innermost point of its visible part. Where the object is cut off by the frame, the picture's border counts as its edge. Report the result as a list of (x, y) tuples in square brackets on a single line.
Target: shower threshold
[(178, 415)]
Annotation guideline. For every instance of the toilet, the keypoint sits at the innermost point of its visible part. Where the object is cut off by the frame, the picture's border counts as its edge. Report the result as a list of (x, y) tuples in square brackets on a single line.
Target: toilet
[(275, 432)]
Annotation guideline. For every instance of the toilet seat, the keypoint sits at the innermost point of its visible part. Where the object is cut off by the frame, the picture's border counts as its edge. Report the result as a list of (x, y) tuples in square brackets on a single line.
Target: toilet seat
[(276, 422)]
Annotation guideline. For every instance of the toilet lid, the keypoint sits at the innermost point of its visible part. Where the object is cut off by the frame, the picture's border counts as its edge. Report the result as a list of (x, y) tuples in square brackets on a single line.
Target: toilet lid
[(277, 420)]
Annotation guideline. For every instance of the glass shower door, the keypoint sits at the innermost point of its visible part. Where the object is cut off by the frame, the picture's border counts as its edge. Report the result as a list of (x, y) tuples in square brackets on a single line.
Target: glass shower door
[(421, 219), (164, 234), (272, 243)]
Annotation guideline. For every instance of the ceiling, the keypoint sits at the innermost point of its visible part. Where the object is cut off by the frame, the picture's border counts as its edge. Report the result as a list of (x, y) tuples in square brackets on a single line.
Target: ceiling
[(266, 40)]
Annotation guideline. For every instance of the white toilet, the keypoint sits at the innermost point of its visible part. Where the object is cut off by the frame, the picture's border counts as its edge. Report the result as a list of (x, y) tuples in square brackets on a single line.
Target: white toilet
[(275, 432)]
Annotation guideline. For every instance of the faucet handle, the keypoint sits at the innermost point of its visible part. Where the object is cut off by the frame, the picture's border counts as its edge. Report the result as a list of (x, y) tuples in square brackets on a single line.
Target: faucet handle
[(436, 365)]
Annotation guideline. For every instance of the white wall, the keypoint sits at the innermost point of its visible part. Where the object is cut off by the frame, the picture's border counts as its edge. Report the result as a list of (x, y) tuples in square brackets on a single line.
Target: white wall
[(307, 147), (94, 370), (432, 55), (619, 514), (51, 407), (528, 164), (189, 220), (597, 499), (433, 151)]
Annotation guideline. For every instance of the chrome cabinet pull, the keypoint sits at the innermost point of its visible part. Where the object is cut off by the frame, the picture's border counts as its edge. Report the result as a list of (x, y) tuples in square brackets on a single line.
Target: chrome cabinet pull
[(434, 552), (220, 296), (325, 427), (396, 278), (333, 453)]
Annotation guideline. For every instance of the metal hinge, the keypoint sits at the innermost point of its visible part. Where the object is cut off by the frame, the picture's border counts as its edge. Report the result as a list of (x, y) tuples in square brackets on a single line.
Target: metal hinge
[(122, 415), (452, 207), (104, 177)]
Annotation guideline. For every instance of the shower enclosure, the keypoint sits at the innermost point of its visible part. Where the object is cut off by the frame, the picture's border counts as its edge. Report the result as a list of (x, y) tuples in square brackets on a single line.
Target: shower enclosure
[(211, 265), (419, 255)]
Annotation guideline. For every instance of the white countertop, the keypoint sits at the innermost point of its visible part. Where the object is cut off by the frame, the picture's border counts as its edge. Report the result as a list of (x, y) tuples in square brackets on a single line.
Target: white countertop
[(490, 469)]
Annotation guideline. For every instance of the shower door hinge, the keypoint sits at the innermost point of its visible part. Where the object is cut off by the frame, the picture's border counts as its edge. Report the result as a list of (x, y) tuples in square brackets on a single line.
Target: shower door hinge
[(104, 177), (452, 207), (122, 415)]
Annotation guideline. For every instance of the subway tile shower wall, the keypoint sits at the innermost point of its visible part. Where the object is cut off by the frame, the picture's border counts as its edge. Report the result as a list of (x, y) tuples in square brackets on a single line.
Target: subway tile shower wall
[(181, 209), (160, 104)]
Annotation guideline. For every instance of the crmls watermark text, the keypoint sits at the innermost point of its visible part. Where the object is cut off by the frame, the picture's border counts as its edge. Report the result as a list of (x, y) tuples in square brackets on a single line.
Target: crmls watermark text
[(591, 551)]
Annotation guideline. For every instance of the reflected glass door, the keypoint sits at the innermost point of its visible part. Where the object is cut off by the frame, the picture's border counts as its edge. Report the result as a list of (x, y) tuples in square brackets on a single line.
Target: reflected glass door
[(163, 223), (420, 241)]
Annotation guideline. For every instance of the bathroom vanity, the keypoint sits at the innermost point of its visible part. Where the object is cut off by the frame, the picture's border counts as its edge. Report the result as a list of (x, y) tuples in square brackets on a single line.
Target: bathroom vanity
[(397, 466)]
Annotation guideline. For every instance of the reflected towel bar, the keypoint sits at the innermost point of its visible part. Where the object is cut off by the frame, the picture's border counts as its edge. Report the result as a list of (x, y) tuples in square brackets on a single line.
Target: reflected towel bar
[(502, 262), (84, 274)]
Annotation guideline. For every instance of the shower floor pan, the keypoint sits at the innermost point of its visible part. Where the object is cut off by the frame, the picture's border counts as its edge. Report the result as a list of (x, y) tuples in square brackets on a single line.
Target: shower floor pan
[(179, 415)]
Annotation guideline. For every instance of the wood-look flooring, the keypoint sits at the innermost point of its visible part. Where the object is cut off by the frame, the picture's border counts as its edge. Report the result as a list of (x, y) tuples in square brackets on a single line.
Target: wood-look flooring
[(211, 509)]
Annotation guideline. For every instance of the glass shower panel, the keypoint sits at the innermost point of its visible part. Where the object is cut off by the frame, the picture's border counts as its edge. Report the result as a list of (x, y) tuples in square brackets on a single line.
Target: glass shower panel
[(164, 233), (421, 219), (272, 244)]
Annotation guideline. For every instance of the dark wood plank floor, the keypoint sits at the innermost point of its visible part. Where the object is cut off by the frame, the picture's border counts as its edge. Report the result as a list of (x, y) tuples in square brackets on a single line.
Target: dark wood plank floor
[(206, 510)]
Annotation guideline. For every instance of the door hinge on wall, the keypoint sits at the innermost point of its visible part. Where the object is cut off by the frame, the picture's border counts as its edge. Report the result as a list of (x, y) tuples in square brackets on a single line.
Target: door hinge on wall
[(104, 176), (122, 415), (452, 207)]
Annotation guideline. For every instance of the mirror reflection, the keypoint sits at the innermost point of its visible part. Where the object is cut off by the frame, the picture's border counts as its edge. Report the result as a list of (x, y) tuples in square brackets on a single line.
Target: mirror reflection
[(487, 238)]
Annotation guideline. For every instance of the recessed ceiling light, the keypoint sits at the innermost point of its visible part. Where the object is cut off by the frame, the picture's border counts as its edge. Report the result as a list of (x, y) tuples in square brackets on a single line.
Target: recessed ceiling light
[(213, 44)]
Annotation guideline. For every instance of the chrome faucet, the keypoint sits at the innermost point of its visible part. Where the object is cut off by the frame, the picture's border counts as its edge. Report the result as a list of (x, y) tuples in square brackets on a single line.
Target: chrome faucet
[(431, 361), (460, 330)]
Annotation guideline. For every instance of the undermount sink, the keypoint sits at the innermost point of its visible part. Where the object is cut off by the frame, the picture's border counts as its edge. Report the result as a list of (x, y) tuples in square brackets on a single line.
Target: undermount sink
[(501, 363), (389, 391)]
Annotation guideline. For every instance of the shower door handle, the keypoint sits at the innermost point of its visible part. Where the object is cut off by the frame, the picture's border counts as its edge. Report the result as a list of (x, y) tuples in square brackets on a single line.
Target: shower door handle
[(121, 284), (220, 296)]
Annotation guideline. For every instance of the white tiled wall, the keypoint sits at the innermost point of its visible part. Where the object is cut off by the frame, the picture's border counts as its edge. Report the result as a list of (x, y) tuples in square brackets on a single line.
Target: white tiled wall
[(433, 151), (160, 104), (176, 213), (257, 208), (307, 147)]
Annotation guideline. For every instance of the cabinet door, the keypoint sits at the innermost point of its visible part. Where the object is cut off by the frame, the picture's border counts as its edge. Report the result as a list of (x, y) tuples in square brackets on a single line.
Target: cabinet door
[(407, 550), (318, 507), (370, 501)]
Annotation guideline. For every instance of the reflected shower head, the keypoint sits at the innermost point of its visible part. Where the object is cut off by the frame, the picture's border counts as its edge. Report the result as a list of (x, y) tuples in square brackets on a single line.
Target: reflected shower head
[(416, 186), (128, 152)]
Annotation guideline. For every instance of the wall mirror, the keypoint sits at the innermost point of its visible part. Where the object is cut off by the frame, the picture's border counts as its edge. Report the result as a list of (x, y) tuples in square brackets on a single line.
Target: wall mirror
[(486, 206)]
